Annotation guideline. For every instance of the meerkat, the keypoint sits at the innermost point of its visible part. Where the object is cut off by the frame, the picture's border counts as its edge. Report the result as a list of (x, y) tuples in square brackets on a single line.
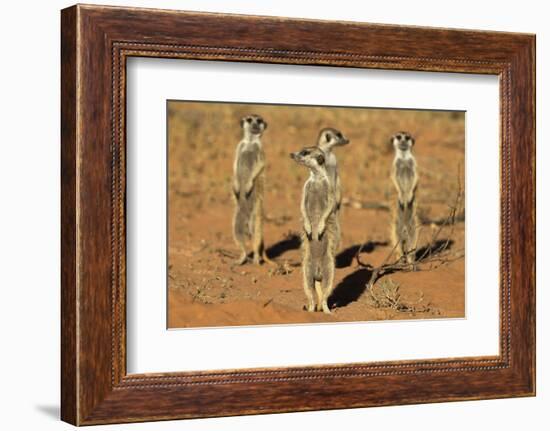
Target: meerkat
[(327, 140), (405, 179), (319, 229), (248, 189)]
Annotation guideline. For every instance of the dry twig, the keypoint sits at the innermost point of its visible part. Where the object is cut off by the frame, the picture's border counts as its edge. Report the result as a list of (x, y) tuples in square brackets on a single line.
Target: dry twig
[(435, 254), (387, 295)]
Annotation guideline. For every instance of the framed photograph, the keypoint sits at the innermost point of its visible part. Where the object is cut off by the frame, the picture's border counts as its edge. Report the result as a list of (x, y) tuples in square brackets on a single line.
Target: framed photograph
[(264, 214)]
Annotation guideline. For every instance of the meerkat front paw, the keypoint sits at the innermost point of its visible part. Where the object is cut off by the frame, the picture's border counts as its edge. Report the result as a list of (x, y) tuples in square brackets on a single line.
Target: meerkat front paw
[(326, 310), (320, 230), (248, 189), (307, 229), (235, 189)]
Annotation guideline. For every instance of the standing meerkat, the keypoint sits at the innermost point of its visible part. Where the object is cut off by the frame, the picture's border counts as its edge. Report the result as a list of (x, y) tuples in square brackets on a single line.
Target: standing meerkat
[(405, 179), (319, 229), (327, 140), (248, 189)]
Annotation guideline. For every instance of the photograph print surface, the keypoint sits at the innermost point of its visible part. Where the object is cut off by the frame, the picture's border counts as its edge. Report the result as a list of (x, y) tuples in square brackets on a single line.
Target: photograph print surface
[(288, 214)]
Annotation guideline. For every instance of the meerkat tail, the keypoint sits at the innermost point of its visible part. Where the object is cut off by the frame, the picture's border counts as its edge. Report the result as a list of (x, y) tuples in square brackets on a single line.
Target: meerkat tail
[(308, 288), (405, 232), (327, 282), (241, 223), (319, 294)]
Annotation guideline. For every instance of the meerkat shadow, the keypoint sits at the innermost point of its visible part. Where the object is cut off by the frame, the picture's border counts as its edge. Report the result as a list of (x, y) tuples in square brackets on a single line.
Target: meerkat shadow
[(436, 247), (346, 256), (291, 242), (350, 288)]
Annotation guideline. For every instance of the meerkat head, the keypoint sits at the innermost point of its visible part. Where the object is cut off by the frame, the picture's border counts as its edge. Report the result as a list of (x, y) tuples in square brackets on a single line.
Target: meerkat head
[(329, 137), (312, 157), (402, 141), (253, 124)]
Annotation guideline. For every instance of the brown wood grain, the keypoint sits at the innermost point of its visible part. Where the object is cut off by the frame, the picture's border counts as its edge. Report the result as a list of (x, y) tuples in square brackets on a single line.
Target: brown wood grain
[(96, 41)]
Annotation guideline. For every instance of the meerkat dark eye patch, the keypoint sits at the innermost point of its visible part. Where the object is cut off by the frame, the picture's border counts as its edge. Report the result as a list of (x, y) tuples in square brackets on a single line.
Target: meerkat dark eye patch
[(327, 137), (339, 135), (321, 159), (304, 153), (249, 120)]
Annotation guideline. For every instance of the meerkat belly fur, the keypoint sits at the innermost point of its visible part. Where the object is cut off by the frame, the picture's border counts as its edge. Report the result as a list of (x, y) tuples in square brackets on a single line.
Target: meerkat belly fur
[(319, 236), (327, 140), (405, 179), (248, 189)]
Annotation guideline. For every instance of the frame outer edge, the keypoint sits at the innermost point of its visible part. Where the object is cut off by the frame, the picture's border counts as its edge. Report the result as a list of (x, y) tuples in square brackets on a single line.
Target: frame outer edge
[(532, 82), (533, 54), (523, 179), (69, 196), (88, 397)]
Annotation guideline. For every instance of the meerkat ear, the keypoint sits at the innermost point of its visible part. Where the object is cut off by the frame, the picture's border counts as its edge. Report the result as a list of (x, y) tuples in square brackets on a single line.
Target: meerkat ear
[(265, 124), (412, 142), (241, 122), (321, 159)]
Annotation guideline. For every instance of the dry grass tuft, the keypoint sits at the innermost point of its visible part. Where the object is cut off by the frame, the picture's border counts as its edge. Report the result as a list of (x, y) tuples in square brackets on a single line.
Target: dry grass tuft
[(284, 268), (387, 295)]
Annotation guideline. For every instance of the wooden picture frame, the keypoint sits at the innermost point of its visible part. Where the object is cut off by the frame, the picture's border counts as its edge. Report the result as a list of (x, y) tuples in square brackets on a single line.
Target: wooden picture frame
[(95, 43)]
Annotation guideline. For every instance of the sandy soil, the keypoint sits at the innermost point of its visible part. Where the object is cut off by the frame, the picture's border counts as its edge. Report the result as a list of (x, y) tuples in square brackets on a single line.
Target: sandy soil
[(207, 289)]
